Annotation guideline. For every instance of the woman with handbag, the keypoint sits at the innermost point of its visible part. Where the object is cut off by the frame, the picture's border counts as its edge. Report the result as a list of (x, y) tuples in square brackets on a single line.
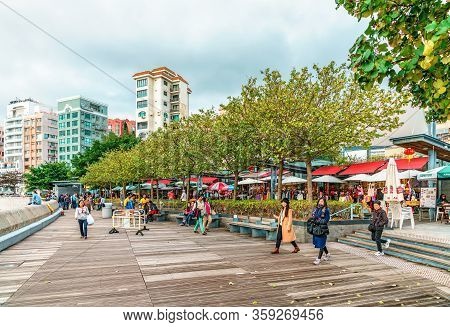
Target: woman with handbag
[(285, 233), (320, 218), (81, 214), (379, 220)]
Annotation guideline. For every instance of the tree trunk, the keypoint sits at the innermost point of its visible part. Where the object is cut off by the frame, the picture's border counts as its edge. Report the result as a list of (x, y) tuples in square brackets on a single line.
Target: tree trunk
[(151, 189), (157, 191), (236, 175), (309, 180), (110, 192), (188, 187), (124, 190), (280, 178), (139, 189)]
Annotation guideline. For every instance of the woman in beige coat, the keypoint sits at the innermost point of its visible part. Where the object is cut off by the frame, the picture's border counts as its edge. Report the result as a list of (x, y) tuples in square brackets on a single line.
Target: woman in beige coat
[(285, 231)]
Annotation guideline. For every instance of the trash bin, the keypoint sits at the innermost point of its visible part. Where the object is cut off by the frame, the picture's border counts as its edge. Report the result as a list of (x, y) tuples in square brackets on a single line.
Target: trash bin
[(107, 211)]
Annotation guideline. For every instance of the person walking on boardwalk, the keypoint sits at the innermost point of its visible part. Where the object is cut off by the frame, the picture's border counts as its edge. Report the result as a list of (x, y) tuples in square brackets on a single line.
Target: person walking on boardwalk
[(320, 219), (200, 211), (285, 231), (81, 214), (207, 218), (379, 220)]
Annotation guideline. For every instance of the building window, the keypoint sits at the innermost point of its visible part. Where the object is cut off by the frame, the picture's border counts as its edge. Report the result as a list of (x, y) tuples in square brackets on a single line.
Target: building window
[(142, 114), (142, 93), (175, 87), (61, 117), (74, 131), (68, 124), (62, 141), (165, 93), (62, 158), (87, 116), (74, 139), (165, 103), (142, 104), (62, 149), (175, 118), (165, 82), (68, 132), (88, 141), (61, 125), (62, 133), (74, 114), (68, 116), (87, 133), (87, 124), (175, 107), (68, 149), (74, 148), (142, 125), (68, 140), (74, 123), (141, 82)]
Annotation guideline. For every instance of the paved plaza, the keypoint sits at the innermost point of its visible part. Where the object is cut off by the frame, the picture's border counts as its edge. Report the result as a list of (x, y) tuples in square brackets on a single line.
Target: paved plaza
[(172, 266)]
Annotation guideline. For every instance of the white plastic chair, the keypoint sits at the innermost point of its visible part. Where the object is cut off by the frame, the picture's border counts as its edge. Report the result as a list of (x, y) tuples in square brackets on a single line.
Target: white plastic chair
[(439, 213), (407, 213)]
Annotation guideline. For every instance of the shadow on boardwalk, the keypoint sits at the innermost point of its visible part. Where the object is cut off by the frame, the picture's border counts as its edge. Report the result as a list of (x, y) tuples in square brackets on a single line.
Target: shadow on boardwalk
[(172, 266)]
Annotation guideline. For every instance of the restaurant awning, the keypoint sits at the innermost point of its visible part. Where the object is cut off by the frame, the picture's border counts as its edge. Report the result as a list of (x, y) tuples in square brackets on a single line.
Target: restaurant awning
[(161, 181), (405, 164), (328, 170), (429, 174), (362, 168), (205, 180)]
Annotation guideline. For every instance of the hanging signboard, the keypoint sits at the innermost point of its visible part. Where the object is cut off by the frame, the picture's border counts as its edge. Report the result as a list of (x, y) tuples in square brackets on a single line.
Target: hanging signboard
[(428, 197)]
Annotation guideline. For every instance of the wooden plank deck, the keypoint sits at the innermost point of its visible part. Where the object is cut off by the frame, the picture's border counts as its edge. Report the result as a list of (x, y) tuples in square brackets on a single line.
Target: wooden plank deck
[(172, 266)]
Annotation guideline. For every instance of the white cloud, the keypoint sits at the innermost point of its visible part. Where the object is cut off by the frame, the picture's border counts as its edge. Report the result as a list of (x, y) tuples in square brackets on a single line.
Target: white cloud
[(215, 45)]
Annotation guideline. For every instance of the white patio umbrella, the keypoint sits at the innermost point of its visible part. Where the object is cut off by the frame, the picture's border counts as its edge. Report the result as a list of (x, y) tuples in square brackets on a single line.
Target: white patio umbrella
[(378, 177), (267, 179), (250, 181), (392, 185), (358, 178), (409, 174), (327, 179), (291, 180)]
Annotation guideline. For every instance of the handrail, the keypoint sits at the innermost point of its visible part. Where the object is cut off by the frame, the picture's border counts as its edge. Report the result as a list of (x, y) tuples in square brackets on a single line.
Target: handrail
[(350, 208)]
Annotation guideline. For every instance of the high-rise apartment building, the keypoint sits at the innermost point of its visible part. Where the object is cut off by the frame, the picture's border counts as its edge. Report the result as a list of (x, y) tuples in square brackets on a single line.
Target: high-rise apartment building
[(81, 121), (40, 139), (2, 141), (117, 126), (162, 96), (29, 145)]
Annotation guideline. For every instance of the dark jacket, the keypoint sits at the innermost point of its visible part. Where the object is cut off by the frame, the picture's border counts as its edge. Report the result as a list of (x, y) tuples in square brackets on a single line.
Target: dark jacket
[(379, 218), (321, 217)]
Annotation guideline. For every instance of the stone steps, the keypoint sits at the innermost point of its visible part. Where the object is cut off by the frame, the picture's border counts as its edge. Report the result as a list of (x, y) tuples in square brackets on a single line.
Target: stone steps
[(419, 251)]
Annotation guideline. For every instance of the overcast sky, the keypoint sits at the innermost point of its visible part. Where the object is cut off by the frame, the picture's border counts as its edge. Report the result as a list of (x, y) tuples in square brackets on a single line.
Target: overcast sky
[(215, 45)]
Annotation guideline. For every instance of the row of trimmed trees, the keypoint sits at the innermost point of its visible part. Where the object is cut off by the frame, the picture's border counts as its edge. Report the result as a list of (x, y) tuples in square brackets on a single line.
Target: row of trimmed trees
[(311, 115)]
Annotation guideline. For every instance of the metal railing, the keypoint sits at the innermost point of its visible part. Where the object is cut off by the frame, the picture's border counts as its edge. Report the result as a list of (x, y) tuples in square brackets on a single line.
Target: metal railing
[(350, 209)]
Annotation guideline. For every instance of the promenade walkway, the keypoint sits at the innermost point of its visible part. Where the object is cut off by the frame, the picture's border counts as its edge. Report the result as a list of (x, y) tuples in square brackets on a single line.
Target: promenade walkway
[(172, 266)]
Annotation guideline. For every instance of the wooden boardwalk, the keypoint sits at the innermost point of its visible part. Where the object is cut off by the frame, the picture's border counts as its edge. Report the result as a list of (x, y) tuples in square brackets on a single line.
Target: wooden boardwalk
[(172, 266)]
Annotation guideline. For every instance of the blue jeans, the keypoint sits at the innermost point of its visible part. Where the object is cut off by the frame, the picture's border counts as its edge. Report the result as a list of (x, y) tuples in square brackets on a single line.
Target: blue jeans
[(187, 219), (83, 227)]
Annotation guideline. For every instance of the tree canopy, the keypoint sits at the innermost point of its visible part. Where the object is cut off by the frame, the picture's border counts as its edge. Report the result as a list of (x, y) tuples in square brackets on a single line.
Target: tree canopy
[(99, 148), (41, 177), (407, 42)]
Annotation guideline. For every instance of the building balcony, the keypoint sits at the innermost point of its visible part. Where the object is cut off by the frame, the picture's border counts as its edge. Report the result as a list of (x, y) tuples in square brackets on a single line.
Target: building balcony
[(174, 100)]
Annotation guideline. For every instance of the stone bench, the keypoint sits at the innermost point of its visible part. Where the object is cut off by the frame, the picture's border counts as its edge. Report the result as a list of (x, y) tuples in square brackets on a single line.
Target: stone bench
[(255, 226)]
